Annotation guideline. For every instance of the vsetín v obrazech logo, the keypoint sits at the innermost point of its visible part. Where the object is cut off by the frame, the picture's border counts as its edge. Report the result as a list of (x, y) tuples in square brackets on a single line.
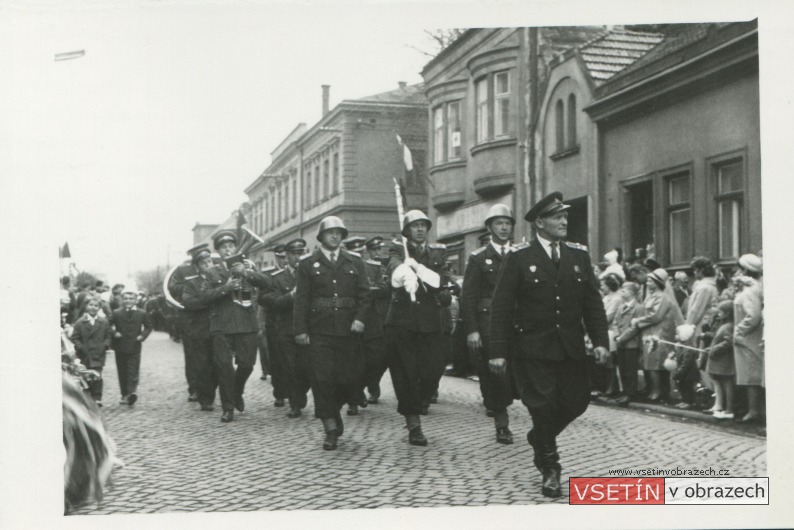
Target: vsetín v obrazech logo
[(668, 490)]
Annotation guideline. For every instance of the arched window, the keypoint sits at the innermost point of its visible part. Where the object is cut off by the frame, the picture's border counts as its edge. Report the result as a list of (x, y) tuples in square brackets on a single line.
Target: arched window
[(571, 121), (559, 118)]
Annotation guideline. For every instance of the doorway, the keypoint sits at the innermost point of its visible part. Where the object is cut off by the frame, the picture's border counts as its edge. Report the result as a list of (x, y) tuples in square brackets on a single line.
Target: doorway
[(639, 215), (577, 221)]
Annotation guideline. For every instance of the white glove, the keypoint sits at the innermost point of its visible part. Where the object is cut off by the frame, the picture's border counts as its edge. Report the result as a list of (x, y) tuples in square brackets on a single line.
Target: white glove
[(399, 275), (411, 283), (428, 276), (411, 262)]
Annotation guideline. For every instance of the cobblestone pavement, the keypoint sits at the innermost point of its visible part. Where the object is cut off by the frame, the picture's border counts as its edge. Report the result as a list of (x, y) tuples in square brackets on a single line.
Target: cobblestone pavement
[(178, 459)]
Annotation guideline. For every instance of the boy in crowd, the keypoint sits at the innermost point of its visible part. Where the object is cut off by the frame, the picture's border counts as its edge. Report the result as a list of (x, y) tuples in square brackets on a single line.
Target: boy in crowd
[(91, 338), (131, 326)]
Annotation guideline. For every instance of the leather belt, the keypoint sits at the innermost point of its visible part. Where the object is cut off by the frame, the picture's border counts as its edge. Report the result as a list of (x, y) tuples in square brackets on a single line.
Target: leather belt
[(335, 302)]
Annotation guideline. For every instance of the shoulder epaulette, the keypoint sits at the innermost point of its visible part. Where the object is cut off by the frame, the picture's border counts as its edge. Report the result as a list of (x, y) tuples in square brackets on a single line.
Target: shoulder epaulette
[(577, 246), (276, 273), (373, 262), (306, 256), (520, 246), (269, 268), (478, 251), (191, 277), (353, 253), (437, 246)]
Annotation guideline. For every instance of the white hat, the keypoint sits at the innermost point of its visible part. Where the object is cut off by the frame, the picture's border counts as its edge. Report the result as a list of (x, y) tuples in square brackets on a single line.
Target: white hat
[(752, 263)]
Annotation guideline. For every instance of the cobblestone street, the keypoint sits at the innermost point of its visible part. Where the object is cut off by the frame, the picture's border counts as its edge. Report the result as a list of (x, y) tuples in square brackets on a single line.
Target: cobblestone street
[(180, 459)]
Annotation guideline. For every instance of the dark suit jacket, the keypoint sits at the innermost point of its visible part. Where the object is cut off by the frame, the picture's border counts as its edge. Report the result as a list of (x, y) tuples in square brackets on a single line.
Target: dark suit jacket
[(195, 318), (130, 326), (479, 283), (425, 315), (226, 316), (380, 290), (280, 301), (91, 342), (318, 282), (547, 306)]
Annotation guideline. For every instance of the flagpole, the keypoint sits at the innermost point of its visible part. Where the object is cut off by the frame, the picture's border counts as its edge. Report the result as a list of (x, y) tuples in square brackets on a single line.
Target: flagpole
[(401, 214)]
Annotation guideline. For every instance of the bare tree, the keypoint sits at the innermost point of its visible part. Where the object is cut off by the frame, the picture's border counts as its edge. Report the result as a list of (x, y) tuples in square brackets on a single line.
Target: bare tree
[(438, 40)]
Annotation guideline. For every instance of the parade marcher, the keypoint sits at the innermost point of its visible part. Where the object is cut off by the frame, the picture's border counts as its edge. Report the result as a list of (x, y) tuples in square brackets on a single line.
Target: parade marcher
[(331, 301), (748, 334), (280, 305), (274, 356), (230, 291), (547, 290), (131, 326), (479, 281), (356, 245), (375, 361), (195, 321), (413, 329), (91, 336)]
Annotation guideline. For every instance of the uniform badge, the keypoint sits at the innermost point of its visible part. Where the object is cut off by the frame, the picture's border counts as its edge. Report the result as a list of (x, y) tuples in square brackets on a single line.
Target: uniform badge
[(488, 261), (532, 268), (316, 264), (576, 268)]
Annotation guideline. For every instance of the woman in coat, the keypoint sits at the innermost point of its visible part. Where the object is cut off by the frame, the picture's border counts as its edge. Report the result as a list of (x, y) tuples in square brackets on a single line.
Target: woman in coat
[(748, 333), (659, 321)]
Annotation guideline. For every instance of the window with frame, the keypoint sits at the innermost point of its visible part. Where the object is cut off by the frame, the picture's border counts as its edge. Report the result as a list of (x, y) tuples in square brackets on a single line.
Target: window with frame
[(679, 218), (278, 208), (294, 194), (286, 199), (317, 191), (729, 177), (481, 98), (327, 177), (272, 209), (559, 126), (266, 212), (439, 153), (308, 195), (571, 121), (336, 173), (502, 104), (453, 130)]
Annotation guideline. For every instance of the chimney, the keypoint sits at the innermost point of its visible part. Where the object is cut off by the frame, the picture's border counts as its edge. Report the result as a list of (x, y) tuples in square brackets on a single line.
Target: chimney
[(402, 84), (326, 89)]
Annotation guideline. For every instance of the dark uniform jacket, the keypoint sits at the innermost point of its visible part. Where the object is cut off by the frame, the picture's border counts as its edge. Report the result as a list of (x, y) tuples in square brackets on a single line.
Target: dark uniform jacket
[(425, 315), (130, 325), (227, 316), (329, 297), (280, 301), (196, 315), (548, 307), (381, 294), (91, 342), (479, 283)]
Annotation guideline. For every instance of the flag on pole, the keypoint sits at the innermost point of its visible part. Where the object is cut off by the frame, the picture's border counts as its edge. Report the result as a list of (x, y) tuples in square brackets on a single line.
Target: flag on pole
[(65, 251)]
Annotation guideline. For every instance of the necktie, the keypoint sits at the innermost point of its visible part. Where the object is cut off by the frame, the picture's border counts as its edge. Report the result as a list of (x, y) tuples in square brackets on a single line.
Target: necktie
[(333, 258), (555, 256), (503, 252)]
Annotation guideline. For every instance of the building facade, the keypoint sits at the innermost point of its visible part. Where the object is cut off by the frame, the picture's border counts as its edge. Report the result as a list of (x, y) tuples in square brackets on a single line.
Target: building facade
[(344, 165)]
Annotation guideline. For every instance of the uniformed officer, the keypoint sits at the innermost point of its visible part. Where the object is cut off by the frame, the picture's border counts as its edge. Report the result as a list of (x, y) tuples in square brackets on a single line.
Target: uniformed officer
[(331, 301), (479, 281), (413, 327), (280, 303), (375, 360), (196, 328), (230, 292), (275, 358), (547, 290), (355, 245)]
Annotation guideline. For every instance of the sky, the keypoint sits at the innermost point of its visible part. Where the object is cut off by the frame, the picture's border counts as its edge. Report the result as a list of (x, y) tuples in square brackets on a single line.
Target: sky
[(175, 108)]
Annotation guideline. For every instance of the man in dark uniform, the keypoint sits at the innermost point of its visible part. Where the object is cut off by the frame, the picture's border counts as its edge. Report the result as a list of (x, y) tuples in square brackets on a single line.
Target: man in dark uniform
[(230, 292), (275, 357), (197, 340), (546, 291), (479, 282), (280, 304), (375, 360), (355, 245), (191, 321), (331, 301), (413, 327)]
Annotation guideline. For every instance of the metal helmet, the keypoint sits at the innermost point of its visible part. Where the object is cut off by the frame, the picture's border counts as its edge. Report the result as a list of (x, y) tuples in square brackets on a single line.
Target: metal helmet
[(413, 216), (499, 210), (330, 222)]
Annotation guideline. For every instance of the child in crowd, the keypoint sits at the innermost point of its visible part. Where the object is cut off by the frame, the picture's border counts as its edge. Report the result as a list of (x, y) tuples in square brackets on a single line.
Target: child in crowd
[(131, 326), (686, 374), (627, 341), (91, 338), (721, 366)]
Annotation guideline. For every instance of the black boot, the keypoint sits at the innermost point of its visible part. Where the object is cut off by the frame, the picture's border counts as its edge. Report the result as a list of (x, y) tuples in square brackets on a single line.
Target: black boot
[(416, 437), (504, 436), (551, 483), (330, 440)]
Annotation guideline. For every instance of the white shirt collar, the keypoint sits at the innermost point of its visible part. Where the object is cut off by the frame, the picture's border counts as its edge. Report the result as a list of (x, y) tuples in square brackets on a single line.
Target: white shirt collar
[(546, 244), (327, 253), (498, 248), (91, 319)]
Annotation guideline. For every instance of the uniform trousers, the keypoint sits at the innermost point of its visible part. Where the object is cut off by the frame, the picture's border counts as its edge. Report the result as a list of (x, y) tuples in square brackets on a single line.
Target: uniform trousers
[(554, 392), (296, 370), (264, 360), (416, 364), (498, 391), (335, 371), (128, 365), (205, 377), (277, 378), (191, 365), (375, 364), (239, 348)]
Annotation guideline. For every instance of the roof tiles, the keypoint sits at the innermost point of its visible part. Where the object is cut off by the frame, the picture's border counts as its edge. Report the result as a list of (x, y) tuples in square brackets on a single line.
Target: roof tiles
[(608, 54)]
